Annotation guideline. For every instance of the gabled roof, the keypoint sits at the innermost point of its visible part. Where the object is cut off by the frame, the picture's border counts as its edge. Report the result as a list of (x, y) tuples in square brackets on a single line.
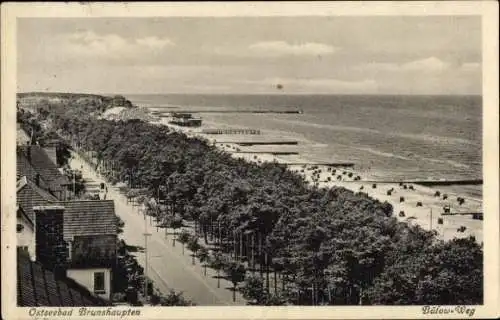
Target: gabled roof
[(30, 195), (37, 286), (89, 217), (25, 168), (42, 164)]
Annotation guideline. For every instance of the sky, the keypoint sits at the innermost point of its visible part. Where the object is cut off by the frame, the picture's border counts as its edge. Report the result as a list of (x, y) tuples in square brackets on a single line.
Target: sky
[(251, 55)]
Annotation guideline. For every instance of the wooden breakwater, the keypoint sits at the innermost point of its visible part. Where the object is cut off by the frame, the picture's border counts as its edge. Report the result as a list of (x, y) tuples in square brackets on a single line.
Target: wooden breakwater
[(297, 111), (260, 143), (282, 153), (230, 131), (429, 183), (325, 164)]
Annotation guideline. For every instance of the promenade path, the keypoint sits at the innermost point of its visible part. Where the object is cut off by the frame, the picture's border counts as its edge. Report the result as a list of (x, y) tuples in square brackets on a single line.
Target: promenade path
[(168, 267)]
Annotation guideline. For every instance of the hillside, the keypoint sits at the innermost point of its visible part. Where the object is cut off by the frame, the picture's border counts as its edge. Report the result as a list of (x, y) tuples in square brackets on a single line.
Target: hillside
[(90, 102)]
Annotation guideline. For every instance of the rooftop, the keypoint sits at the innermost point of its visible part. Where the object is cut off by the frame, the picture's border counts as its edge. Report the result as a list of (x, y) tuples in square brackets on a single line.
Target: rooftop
[(37, 286), (89, 217), (30, 195), (43, 165)]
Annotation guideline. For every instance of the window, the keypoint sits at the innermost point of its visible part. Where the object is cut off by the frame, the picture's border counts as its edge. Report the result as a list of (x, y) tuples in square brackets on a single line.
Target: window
[(19, 228), (99, 283)]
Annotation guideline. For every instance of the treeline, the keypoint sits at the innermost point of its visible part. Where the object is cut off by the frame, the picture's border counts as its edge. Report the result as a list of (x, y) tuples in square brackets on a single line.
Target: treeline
[(302, 244)]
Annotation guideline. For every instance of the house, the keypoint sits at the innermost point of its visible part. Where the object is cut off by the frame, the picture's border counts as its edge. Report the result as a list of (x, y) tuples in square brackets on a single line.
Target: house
[(34, 163), (30, 194), (25, 229), (38, 286), (78, 239), (91, 234)]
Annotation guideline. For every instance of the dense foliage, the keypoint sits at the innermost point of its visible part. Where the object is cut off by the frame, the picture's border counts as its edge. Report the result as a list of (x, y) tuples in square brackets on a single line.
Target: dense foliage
[(323, 246)]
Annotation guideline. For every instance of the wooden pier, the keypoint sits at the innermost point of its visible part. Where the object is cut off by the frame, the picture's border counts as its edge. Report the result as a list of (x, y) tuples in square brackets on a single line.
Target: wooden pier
[(282, 153), (447, 182), (256, 111), (325, 164), (260, 143), (230, 131)]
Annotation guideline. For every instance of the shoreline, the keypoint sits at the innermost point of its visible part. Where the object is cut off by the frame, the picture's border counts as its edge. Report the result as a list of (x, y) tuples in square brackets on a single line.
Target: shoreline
[(432, 206)]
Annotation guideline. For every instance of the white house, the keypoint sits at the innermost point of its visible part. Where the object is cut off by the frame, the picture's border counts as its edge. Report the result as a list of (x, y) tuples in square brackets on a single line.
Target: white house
[(26, 233)]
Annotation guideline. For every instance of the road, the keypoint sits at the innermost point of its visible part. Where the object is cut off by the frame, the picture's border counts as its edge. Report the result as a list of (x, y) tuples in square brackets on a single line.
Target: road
[(168, 267)]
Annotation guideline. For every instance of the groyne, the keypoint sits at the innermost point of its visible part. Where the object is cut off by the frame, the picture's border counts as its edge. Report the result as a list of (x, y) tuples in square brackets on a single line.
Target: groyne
[(282, 153), (326, 164), (430, 183), (230, 131), (259, 143), (298, 111)]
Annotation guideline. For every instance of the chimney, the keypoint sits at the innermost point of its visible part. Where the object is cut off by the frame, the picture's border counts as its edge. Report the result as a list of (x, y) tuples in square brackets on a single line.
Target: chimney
[(50, 246)]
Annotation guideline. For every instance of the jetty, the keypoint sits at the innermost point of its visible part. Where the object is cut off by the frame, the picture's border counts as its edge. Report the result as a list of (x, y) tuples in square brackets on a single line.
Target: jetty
[(423, 182), (297, 111), (282, 153), (475, 215), (260, 143), (230, 131), (324, 164)]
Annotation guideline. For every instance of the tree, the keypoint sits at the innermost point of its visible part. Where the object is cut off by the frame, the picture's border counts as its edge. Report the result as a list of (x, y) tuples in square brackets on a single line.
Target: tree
[(194, 246), (203, 256), (254, 292), (446, 273), (119, 224), (175, 223), (184, 238), (175, 299), (218, 262), (236, 273)]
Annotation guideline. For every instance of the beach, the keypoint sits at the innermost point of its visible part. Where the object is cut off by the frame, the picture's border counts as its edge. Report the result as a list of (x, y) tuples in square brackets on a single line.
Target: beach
[(421, 204)]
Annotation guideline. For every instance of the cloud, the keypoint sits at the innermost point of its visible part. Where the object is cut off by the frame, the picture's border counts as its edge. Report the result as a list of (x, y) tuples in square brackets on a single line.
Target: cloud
[(273, 49), (431, 64), (471, 67), (279, 48), (155, 42), (110, 46)]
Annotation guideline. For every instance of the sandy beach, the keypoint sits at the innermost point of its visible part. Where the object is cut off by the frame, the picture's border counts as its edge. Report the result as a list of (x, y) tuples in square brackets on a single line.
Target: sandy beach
[(428, 213)]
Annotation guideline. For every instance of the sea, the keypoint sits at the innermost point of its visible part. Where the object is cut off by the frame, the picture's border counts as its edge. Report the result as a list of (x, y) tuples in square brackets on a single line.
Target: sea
[(386, 137)]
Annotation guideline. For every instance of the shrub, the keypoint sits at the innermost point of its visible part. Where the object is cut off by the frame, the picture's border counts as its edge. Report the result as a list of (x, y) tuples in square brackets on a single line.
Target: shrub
[(445, 196), (437, 194)]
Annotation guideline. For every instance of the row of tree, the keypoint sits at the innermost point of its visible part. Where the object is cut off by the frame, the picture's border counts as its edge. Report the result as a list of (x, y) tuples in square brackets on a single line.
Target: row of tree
[(324, 246)]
